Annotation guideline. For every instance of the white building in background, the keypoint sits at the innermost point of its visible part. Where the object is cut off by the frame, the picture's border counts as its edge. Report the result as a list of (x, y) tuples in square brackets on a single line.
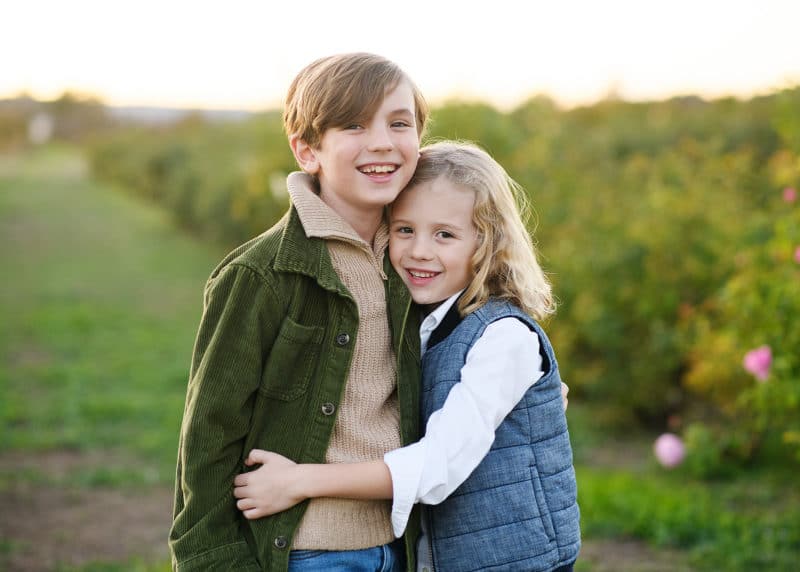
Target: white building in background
[(40, 128)]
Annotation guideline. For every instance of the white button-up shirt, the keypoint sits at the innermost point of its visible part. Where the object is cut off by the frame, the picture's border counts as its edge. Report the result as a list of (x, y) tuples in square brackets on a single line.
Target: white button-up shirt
[(502, 365)]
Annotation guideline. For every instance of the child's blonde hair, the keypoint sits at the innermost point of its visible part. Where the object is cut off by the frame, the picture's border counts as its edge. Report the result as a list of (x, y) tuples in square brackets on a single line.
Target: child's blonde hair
[(338, 90), (504, 264)]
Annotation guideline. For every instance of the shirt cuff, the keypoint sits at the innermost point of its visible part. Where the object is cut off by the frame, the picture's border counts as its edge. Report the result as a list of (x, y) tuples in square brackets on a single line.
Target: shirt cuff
[(405, 465)]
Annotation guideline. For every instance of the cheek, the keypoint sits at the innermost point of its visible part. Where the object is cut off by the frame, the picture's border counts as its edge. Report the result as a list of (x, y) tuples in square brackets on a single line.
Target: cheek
[(394, 252), (411, 148), (467, 261)]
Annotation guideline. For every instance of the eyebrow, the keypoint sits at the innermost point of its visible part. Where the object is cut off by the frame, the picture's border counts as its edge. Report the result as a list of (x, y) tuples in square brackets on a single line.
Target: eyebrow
[(436, 224), (402, 111)]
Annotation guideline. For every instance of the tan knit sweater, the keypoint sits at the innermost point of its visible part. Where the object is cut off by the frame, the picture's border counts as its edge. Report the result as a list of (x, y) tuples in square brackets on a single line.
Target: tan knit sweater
[(368, 417)]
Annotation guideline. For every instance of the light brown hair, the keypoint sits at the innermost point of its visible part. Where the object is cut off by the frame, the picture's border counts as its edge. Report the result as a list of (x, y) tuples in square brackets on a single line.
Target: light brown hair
[(336, 91)]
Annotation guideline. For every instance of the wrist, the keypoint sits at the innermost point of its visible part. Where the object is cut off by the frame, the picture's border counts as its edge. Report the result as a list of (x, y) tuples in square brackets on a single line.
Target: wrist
[(306, 483)]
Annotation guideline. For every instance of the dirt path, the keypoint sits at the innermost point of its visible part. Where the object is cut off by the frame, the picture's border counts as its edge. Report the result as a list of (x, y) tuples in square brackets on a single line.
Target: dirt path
[(46, 525), (614, 555)]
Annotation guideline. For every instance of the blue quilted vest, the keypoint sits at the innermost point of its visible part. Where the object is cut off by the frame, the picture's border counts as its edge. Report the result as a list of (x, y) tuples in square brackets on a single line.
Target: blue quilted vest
[(518, 510)]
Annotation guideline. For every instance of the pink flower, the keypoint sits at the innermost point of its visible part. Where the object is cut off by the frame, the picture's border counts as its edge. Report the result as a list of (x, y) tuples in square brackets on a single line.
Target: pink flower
[(797, 254), (758, 362), (789, 194), (669, 450)]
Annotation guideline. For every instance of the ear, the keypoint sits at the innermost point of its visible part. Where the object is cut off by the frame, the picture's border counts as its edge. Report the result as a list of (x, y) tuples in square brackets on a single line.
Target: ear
[(304, 154)]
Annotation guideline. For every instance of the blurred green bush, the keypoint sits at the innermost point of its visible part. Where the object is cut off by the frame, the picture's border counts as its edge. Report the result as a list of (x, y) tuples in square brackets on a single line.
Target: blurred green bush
[(662, 225), (224, 181)]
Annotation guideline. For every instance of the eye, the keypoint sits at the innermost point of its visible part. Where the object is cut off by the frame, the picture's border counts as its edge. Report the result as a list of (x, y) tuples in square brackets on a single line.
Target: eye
[(445, 234), (401, 124), (352, 127), (404, 230)]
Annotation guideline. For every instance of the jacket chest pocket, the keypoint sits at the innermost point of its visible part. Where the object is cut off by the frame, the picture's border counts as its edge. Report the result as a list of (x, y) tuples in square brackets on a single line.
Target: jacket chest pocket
[(292, 361)]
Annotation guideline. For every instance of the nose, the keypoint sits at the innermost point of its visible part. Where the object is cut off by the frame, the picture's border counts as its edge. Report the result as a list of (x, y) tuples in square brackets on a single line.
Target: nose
[(380, 139), (420, 248)]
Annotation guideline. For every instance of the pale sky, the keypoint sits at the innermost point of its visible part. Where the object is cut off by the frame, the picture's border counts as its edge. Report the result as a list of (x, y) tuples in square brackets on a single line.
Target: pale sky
[(243, 53)]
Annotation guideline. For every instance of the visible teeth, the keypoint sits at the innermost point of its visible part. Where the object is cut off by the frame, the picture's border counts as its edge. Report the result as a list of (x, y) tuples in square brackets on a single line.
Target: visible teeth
[(418, 274), (378, 169)]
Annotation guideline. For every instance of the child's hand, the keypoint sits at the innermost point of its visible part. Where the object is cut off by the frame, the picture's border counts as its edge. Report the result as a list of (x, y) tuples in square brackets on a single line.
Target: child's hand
[(271, 488), (564, 393)]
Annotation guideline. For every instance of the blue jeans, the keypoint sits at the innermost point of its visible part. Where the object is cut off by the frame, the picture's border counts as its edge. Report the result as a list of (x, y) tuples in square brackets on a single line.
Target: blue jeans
[(385, 558)]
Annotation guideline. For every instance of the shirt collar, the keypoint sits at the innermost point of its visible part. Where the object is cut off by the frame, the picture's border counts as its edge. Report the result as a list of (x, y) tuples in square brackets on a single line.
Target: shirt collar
[(432, 320)]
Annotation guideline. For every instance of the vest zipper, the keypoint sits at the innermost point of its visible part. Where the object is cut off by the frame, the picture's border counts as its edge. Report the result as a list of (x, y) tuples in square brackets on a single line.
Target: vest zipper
[(430, 540)]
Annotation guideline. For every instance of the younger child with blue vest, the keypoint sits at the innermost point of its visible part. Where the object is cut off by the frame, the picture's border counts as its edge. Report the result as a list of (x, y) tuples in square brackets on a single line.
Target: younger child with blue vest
[(495, 465)]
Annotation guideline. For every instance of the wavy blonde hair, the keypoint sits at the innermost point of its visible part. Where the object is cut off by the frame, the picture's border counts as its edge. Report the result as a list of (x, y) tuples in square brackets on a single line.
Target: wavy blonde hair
[(504, 264)]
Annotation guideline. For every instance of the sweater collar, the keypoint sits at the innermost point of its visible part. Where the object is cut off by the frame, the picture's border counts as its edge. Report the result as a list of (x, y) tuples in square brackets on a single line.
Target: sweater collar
[(303, 254), (321, 221)]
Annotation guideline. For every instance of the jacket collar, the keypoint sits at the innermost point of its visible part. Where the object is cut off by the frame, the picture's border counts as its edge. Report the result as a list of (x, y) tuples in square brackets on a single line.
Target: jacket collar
[(300, 254)]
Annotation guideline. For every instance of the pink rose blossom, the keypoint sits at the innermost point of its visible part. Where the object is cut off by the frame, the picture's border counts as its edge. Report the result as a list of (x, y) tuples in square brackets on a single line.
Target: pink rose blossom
[(790, 194), (758, 362), (669, 450)]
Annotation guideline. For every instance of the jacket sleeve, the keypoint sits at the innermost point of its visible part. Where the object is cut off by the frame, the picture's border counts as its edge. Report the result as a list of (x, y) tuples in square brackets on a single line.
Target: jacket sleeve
[(233, 338)]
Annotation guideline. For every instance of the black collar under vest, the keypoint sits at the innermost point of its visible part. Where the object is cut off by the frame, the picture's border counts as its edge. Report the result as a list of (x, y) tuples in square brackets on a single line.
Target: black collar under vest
[(449, 323)]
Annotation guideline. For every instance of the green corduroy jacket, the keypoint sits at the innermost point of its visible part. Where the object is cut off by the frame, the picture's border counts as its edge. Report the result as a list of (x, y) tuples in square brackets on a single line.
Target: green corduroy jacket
[(272, 354)]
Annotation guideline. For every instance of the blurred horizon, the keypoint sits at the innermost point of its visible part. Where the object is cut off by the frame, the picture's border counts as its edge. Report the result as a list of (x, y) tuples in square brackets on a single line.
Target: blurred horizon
[(194, 56)]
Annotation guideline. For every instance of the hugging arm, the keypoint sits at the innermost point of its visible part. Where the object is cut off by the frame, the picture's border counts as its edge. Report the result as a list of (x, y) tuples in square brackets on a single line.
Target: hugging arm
[(499, 369), (279, 483)]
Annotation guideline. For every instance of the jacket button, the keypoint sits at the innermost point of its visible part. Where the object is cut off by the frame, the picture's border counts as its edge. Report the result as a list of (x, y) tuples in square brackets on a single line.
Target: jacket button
[(328, 408), (342, 339), (280, 542)]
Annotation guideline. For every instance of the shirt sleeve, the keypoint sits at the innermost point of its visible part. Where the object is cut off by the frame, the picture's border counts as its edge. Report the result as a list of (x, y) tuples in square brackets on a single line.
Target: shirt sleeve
[(502, 365)]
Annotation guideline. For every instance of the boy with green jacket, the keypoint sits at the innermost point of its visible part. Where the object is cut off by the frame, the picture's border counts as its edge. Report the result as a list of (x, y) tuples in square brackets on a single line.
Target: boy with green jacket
[(306, 346)]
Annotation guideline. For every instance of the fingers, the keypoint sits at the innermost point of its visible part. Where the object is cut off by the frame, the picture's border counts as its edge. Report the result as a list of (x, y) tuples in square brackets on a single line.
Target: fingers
[(257, 456), (246, 504), (253, 513), (241, 480)]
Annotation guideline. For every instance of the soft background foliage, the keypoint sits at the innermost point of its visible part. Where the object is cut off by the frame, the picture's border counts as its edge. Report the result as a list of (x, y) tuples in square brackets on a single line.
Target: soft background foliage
[(662, 225)]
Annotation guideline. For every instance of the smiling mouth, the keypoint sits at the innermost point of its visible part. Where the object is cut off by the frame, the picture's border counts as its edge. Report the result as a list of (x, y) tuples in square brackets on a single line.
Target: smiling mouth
[(377, 169), (422, 274)]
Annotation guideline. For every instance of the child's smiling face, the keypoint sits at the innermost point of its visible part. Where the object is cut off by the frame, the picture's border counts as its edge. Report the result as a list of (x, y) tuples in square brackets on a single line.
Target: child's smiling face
[(432, 239), (363, 166)]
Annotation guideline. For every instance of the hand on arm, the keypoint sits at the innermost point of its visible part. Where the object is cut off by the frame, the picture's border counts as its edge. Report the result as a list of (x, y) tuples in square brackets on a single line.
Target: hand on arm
[(279, 483), (271, 488)]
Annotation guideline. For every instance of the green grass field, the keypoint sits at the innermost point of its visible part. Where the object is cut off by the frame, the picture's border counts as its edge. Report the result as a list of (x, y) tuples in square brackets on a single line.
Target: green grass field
[(99, 303)]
